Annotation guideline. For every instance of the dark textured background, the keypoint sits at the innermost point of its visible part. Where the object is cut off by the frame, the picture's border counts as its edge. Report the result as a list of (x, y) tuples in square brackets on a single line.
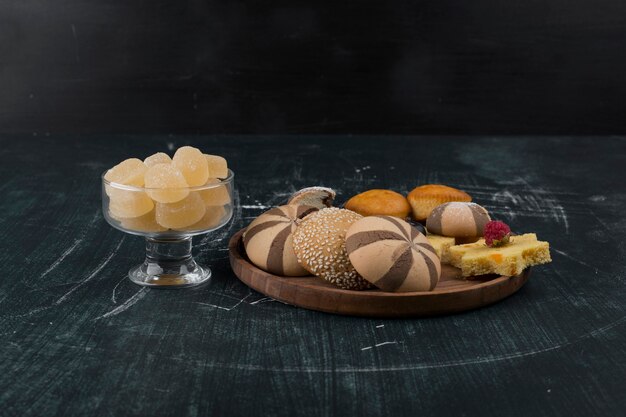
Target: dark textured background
[(214, 66), (77, 338)]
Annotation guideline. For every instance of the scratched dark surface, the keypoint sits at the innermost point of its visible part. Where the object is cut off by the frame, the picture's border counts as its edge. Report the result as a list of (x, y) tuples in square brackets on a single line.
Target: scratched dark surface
[(78, 338)]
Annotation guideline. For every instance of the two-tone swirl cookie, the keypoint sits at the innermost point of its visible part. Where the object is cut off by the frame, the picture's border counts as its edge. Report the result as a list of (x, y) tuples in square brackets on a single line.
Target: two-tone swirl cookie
[(268, 240), (460, 220), (392, 255)]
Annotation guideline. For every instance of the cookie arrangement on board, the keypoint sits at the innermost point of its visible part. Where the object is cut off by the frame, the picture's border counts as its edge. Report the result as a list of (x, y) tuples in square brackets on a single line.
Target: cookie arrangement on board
[(163, 193), (383, 240)]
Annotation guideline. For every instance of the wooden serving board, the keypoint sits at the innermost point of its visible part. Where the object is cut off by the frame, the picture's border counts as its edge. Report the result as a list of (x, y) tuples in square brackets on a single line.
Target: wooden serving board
[(452, 294)]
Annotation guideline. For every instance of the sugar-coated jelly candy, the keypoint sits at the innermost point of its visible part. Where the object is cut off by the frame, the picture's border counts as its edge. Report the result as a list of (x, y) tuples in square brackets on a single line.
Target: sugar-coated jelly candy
[(192, 163), (145, 223), (167, 184), (213, 216), (218, 167), (215, 196), (128, 204), (157, 158), (182, 213), (128, 172)]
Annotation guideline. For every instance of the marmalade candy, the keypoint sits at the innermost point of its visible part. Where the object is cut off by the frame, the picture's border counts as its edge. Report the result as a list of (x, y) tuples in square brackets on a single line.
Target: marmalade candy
[(157, 194), (128, 204), (157, 158), (182, 213), (166, 183), (128, 172), (218, 167), (215, 196), (192, 163), (145, 223), (211, 218)]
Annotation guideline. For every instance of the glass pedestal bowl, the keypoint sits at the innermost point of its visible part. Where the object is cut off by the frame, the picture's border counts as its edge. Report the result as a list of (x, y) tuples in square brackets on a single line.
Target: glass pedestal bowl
[(168, 219)]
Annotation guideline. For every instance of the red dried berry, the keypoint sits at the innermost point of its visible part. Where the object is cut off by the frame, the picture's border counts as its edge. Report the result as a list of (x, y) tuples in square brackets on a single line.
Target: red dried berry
[(496, 233)]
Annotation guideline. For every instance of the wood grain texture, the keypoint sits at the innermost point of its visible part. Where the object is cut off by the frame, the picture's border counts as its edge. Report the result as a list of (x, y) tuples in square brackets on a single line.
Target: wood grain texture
[(77, 338), (453, 294)]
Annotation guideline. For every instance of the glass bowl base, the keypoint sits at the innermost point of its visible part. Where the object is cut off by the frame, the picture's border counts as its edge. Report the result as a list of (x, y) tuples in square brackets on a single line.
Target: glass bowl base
[(170, 265), (154, 276)]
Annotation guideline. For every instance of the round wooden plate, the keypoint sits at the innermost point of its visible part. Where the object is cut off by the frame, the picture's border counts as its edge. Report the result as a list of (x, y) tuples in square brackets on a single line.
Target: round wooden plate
[(453, 294)]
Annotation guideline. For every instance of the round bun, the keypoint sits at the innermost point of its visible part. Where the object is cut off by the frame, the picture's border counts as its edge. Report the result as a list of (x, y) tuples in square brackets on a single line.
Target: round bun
[(268, 240), (425, 198), (379, 202), (392, 255), (320, 197), (455, 219), (320, 246)]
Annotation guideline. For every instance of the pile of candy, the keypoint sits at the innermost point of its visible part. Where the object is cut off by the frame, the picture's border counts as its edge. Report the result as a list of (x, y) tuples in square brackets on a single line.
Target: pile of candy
[(183, 193)]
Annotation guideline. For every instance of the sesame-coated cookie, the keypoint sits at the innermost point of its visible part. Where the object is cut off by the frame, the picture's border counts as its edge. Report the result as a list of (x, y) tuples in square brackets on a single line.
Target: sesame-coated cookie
[(320, 246)]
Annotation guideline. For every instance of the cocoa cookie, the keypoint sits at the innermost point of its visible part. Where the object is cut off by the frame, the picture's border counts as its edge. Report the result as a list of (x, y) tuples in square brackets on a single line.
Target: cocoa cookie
[(461, 220), (392, 255), (320, 197), (268, 240)]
